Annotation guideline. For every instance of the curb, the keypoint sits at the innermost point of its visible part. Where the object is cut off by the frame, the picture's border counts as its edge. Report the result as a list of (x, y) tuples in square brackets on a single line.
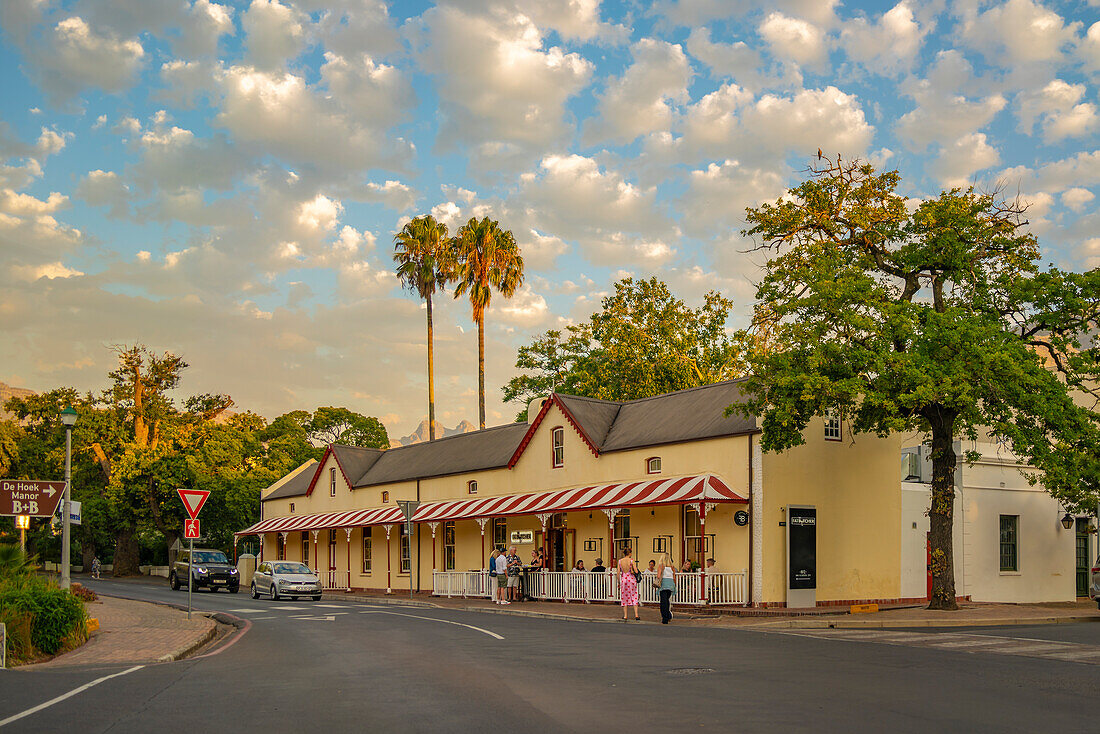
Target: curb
[(917, 623), (191, 646), (397, 601)]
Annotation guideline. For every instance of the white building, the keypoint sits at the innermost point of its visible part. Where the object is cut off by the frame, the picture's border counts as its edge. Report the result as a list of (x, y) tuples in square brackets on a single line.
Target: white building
[(1009, 538)]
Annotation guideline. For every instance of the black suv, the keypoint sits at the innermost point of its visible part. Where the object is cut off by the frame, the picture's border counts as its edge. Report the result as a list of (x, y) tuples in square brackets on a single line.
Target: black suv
[(210, 569)]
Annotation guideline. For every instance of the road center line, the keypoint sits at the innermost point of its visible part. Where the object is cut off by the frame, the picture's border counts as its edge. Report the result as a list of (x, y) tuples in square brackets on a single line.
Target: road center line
[(433, 619), (63, 696)]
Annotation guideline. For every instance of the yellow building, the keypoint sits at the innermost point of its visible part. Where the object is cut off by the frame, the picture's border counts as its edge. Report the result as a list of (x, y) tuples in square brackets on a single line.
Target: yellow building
[(586, 478)]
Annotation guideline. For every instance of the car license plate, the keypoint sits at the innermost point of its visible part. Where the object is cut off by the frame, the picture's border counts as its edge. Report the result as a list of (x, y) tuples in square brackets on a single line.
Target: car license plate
[(219, 581)]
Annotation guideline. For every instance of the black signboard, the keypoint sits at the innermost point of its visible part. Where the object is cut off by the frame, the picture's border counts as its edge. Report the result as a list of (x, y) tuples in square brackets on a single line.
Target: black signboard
[(802, 532), (741, 517)]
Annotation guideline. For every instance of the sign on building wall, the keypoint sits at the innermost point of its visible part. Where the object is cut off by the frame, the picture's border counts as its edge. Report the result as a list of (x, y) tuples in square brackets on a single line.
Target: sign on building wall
[(801, 556), (522, 537)]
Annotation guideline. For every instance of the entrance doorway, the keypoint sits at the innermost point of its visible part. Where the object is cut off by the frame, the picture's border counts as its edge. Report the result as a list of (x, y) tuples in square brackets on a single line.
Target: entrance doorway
[(1084, 564), (555, 542), (332, 549)]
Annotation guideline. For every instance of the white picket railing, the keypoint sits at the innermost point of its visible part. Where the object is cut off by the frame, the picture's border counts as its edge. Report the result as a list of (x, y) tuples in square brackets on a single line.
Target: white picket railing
[(335, 580), (580, 586)]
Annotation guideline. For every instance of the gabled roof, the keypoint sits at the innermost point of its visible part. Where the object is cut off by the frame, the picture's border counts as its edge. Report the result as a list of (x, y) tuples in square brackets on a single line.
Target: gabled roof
[(352, 460), (294, 484), (490, 448), (685, 415)]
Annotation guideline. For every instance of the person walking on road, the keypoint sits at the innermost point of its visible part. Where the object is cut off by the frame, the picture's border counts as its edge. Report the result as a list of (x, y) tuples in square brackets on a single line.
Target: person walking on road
[(667, 576), (95, 567), (628, 582)]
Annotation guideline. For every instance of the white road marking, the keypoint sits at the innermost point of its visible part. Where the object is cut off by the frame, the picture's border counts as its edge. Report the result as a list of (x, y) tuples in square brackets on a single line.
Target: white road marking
[(304, 618), (331, 606), (63, 696), (433, 619), (248, 611), (290, 609)]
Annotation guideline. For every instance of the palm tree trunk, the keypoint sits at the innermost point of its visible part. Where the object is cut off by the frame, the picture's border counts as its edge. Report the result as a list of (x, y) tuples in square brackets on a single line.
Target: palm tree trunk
[(431, 376), (481, 371)]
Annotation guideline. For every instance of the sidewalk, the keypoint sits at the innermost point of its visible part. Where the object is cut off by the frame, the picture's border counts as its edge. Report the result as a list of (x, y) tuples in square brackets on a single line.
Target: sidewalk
[(136, 632), (970, 614)]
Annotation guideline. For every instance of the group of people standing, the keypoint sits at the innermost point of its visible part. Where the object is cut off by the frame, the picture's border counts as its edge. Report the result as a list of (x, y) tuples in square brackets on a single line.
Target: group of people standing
[(506, 568)]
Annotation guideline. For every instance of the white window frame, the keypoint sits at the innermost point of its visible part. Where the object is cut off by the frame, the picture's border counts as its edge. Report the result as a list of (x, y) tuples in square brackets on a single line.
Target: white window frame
[(557, 447), (404, 549), (332, 481), (833, 426), (450, 553), (649, 465), (367, 550), (471, 486)]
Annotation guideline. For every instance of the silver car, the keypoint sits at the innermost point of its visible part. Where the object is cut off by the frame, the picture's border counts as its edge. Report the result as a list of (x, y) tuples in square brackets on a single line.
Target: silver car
[(285, 579)]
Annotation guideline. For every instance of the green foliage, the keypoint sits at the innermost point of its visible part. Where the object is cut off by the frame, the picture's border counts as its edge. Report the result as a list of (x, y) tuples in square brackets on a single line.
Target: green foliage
[(936, 319), (56, 615), (14, 563), (420, 254), (643, 342)]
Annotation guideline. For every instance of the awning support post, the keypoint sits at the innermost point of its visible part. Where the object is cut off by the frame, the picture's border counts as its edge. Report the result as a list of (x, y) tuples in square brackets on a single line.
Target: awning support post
[(481, 523), (348, 531), (389, 559), (703, 549), (316, 559), (433, 526), (611, 512)]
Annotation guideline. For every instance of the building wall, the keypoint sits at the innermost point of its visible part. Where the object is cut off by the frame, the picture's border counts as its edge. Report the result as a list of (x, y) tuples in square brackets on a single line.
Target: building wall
[(853, 484)]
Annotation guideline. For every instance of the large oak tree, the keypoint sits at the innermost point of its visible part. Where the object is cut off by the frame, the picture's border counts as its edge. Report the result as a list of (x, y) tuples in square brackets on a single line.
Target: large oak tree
[(931, 316)]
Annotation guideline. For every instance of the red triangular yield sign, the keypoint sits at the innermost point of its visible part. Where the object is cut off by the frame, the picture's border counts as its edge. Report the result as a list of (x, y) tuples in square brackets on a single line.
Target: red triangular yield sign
[(193, 500)]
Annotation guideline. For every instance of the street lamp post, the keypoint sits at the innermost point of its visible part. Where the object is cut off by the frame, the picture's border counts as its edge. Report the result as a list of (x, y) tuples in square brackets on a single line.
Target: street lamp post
[(68, 417)]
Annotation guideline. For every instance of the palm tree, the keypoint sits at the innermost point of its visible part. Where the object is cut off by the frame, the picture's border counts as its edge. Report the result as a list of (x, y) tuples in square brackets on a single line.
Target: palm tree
[(420, 251), (484, 257)]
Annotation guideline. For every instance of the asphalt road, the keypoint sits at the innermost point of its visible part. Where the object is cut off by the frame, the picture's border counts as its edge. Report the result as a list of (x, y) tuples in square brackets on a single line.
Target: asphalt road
[(339, 666)]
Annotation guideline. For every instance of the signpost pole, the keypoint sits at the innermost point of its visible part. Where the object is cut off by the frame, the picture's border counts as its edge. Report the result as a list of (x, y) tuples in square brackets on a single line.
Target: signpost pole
[(190, 574), (65, 579)]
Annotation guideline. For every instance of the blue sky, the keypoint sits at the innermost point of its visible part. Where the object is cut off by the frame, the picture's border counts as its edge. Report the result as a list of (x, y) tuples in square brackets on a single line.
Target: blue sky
[(223, 179)]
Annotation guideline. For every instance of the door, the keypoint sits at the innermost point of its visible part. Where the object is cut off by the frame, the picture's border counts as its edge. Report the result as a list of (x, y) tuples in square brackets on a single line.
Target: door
[(1082, 553), (556, 559), (332, 549)]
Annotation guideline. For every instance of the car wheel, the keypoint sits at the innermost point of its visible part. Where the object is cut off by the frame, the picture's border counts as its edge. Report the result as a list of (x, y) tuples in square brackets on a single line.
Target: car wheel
[(234, 589), (274, 591), (294, 598), (317, 597), (174, 582), (252, 591)]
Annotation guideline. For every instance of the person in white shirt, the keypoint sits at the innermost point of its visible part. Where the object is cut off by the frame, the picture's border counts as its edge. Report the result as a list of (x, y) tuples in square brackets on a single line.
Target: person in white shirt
[(502, 578)]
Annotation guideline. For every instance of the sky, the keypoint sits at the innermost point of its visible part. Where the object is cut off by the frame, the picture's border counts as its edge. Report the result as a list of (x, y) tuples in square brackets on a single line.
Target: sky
[(223, 179)]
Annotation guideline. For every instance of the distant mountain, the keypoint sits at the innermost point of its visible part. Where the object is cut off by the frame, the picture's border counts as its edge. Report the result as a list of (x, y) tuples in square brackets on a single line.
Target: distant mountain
[(421, 433), (7, 392)]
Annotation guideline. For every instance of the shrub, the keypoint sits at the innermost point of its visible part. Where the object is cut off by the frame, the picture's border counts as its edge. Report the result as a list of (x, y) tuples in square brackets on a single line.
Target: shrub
[(55, 614), (82, 592)]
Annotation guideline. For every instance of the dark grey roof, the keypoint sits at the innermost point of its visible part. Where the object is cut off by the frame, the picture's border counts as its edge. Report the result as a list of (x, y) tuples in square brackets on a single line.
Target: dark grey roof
[(594, 416), (297, 484), (685, 415), (355, 460), (490, 448)]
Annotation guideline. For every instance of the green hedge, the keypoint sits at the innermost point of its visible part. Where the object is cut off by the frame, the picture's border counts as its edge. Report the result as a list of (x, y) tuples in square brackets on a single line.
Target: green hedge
[(56, 616)]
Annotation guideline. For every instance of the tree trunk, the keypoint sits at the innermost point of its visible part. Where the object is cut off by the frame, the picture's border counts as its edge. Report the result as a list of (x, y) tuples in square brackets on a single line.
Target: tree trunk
[(941, 512), (481, 372), (87, 553), (431, 376), (127, 553)]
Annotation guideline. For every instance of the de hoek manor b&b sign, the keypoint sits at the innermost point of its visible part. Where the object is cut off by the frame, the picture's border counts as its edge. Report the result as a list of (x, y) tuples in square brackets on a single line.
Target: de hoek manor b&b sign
[(33, 497)]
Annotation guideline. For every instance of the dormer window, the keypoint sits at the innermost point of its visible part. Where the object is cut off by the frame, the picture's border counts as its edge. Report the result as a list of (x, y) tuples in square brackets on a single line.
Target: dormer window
[(292, 507), (385, 496), (832, 425), (332, 482), (653, 465), (471, 487), (557, 443)]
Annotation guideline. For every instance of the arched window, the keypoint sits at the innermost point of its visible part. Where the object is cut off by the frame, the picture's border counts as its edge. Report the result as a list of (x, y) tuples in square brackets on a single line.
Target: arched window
[(557, 443), (471, 487), (653, 465)]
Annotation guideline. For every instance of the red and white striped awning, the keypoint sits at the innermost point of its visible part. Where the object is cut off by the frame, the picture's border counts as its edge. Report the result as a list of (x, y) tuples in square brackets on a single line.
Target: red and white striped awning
[(674, 491), (325, 520)]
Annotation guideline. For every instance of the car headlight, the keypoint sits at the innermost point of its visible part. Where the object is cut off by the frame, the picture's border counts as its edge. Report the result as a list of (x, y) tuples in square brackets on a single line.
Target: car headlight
[(232, 571), (200, 571)]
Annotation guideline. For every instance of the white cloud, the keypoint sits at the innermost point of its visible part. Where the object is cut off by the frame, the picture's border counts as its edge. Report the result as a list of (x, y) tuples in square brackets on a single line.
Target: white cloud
[(274, 33), (497, 81), (794, 39), (1018, 32), (736, 60), (394, 194), (104, 188), (717, 196), (74, 57), (540, 251), (942, 115), (958, 162), (1077, 199), (1080, 170), (574, 20), (888, 46), (373, 93), (1058, 105), (50, 142), (49, 271), (206, 22), (640, 101), (23, 205), (184, 81), (320, 213)]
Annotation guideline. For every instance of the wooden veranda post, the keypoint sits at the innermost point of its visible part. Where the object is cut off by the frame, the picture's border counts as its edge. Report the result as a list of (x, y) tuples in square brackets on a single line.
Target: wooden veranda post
[(348, 531), (433, 526), (389, 559)]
